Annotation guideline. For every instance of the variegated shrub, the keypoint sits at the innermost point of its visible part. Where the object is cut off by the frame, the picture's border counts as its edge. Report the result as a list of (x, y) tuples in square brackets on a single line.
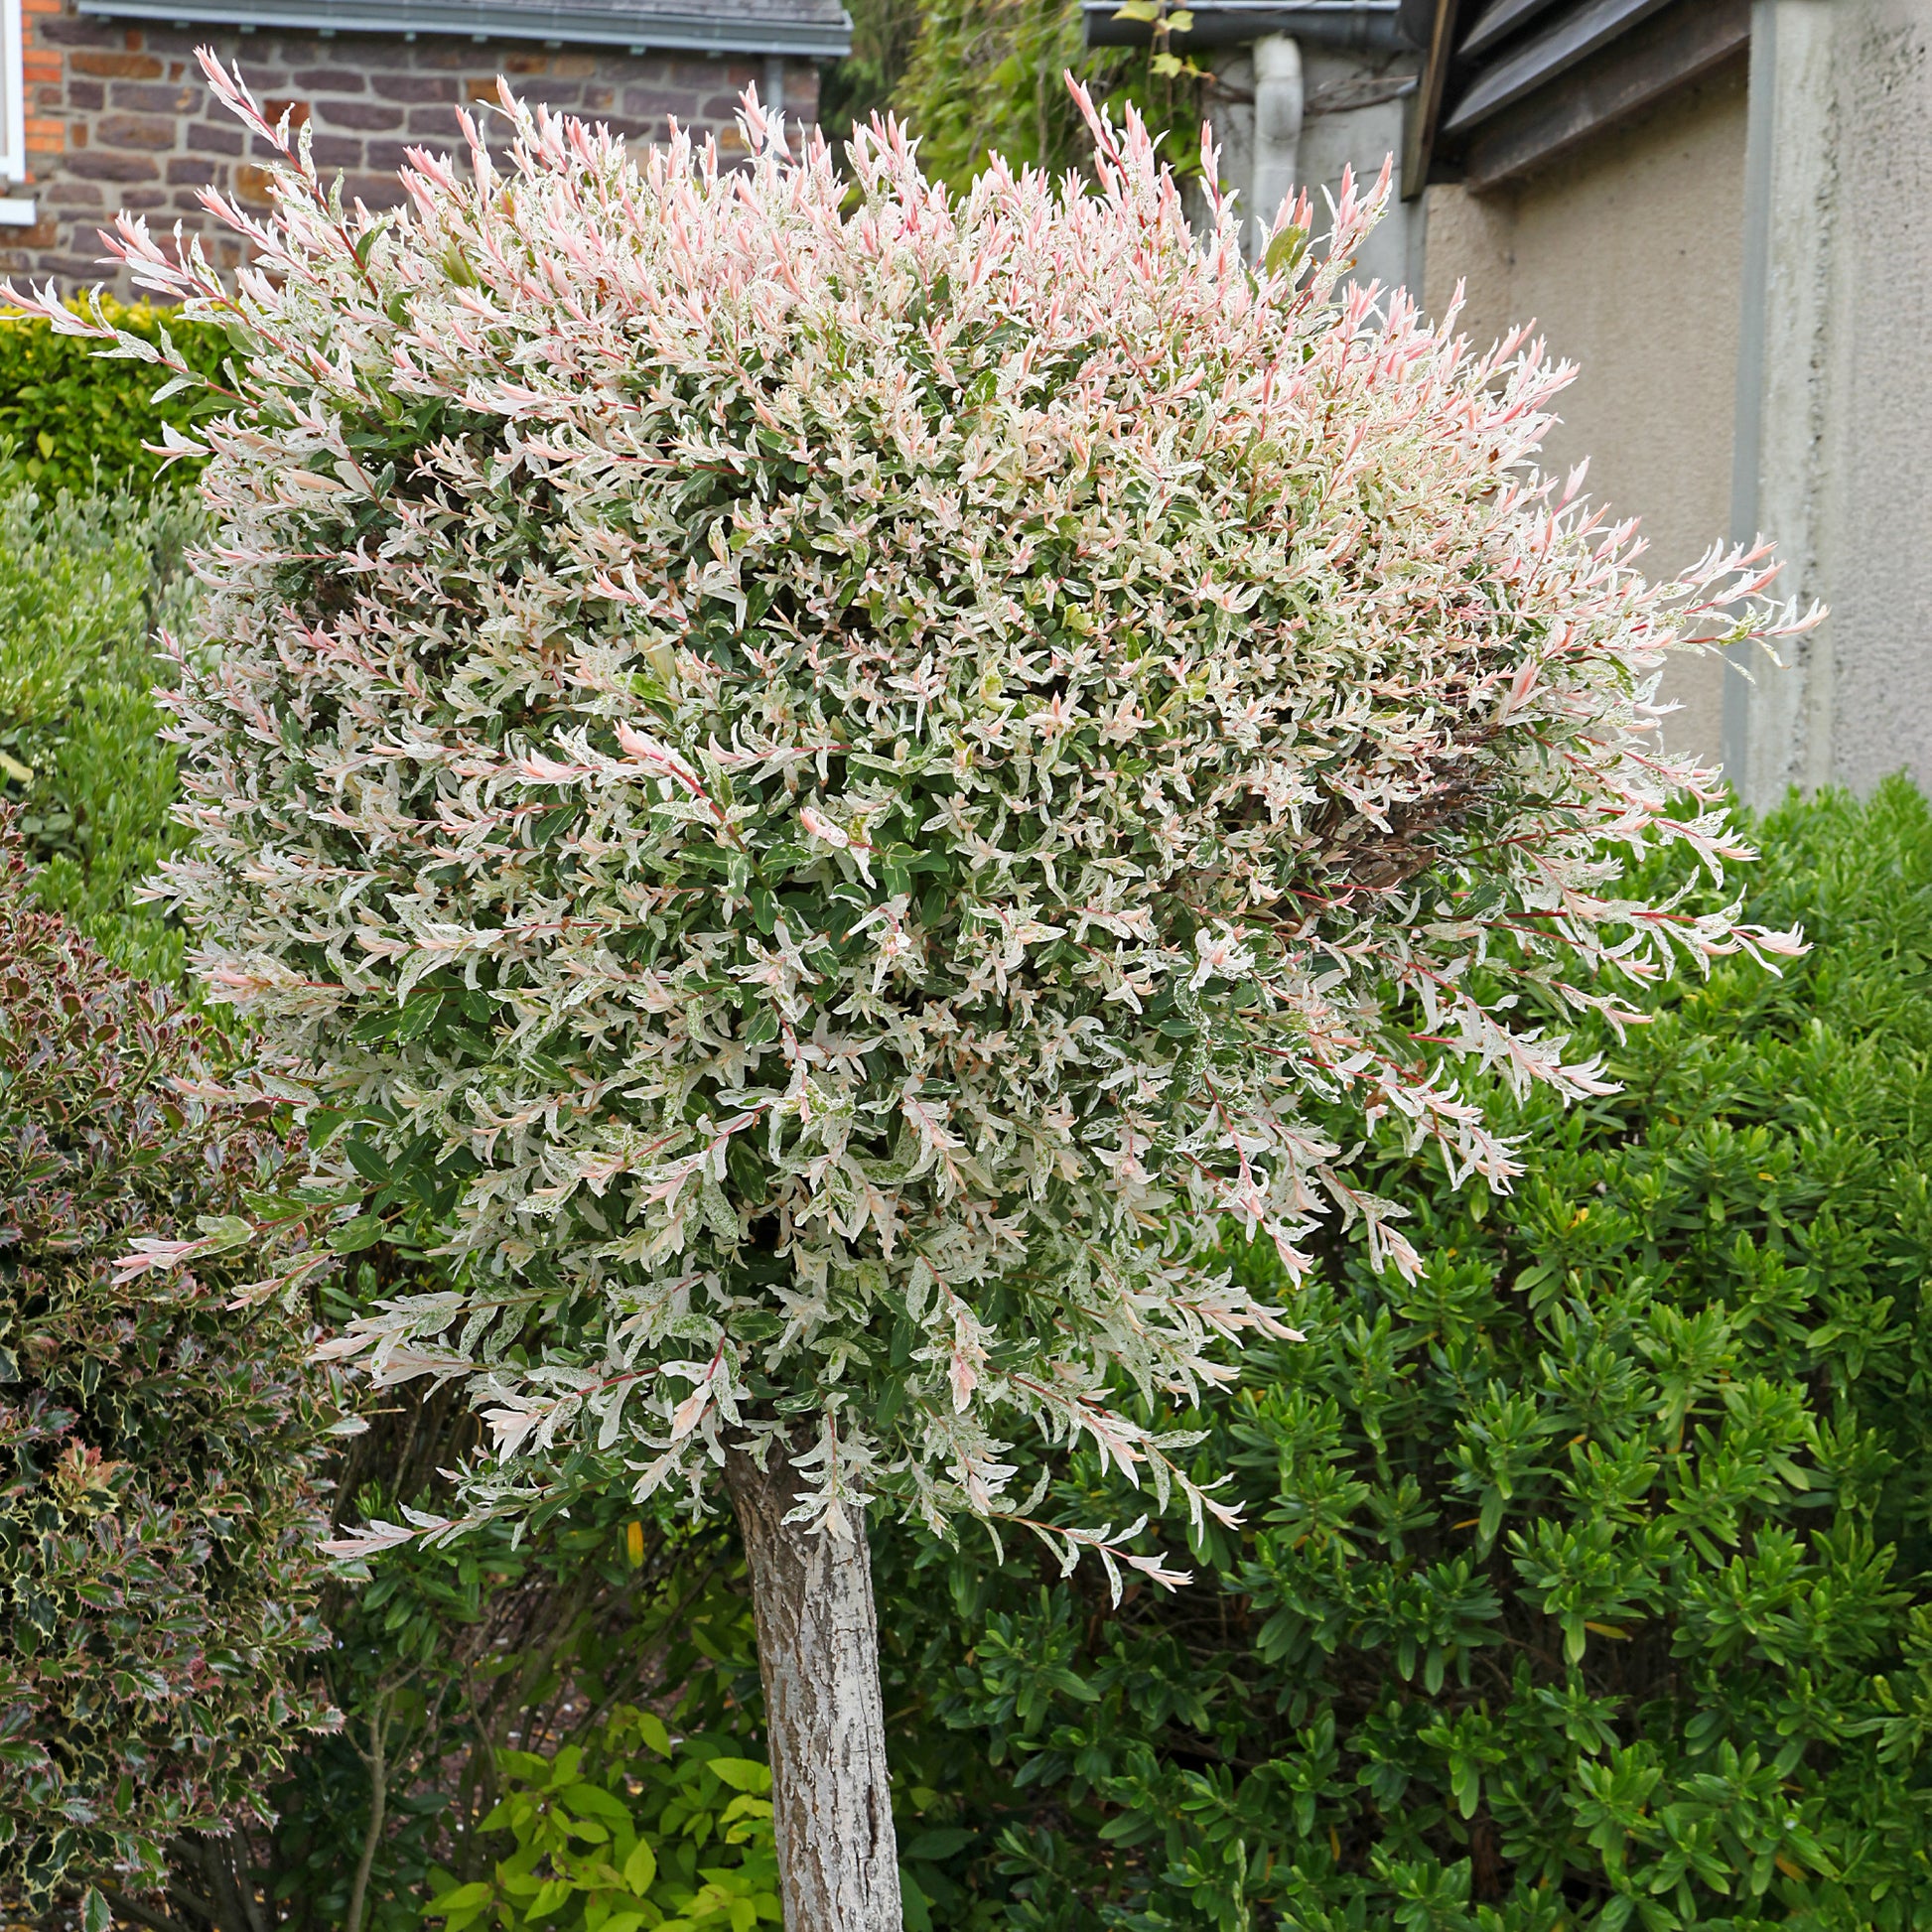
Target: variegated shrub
[(841, 777)]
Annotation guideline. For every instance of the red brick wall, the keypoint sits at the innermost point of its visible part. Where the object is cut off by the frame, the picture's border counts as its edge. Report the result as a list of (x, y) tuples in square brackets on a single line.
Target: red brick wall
[(118, 117)]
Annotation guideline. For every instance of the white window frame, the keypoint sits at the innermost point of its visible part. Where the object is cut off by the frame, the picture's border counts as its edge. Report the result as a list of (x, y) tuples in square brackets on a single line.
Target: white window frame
[(13, 96)]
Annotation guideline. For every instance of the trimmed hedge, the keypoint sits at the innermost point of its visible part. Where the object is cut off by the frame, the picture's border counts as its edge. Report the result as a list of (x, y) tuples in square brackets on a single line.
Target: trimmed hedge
[(76, 422), (1584, 1585), (85, 582)]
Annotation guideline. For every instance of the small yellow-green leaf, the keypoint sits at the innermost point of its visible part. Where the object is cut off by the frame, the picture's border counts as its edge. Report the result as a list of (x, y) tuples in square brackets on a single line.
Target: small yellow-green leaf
[(1285, 251), (641, 1867)]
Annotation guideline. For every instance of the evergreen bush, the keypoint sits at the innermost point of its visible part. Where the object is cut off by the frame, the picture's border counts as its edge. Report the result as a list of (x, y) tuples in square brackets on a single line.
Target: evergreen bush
[(1585, 1579), (158, 1500)]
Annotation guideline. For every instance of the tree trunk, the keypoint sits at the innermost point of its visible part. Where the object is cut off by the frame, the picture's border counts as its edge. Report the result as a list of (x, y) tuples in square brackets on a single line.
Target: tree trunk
[(819, 1654)]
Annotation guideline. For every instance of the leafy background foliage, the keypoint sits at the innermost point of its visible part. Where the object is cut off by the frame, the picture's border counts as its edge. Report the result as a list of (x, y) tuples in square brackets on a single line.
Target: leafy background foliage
[(981, 77), (628, 1832), (1584, 1581), (468, 1656), (74, 422), (977, 77)]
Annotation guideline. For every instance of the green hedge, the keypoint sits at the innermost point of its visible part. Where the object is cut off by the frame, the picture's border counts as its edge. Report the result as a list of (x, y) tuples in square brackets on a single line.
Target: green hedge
[(75, 421), (1583, 1583), (85, 583)]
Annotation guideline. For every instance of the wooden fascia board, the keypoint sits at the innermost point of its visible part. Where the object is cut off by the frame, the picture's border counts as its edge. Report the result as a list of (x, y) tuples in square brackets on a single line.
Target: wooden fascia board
[(1665, 53), (1537, 61), (1426, 104)]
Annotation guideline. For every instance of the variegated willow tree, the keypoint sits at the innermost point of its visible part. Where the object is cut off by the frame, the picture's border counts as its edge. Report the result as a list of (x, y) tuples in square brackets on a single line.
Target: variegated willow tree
[(844, 779)]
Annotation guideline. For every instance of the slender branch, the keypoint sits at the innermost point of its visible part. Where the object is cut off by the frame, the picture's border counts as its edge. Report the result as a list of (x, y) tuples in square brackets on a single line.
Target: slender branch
[(127, 1907), (195, 1902), (378, 1800)]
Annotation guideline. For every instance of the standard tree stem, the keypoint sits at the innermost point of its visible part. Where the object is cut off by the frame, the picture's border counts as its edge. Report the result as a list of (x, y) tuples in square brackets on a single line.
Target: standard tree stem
[(819, 1654)]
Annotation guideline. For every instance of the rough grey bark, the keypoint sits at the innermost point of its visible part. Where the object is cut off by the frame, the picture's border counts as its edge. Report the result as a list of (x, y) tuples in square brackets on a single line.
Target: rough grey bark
[(819, 1654)]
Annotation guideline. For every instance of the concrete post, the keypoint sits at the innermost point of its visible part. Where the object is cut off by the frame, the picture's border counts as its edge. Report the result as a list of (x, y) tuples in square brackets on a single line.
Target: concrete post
[(1833, 455)]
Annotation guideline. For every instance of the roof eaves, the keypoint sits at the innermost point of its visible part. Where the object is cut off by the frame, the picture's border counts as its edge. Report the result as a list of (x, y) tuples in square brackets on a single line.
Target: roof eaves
[(719, 31)]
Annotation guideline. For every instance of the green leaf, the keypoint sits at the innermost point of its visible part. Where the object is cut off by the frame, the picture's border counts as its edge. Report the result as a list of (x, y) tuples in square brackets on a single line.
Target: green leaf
[(365, 1231), (366, 1161), (476, 1892), (641, 1867), (1285, 250), (592, 1799), (553, 824), (226, 1231), (939, 1842)]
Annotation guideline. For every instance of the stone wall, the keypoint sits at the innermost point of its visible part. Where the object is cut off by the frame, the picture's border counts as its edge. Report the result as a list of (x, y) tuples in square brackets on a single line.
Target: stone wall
[(119, 117)]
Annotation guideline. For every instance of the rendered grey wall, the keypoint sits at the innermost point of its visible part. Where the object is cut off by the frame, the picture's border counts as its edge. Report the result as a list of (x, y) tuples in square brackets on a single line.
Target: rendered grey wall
[(1835, 405), (1625, 253)]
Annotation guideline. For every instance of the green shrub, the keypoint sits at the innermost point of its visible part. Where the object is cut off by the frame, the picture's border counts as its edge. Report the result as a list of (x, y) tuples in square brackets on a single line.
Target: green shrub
[(465, 1655), (988, 76), (628, 1834), (1583, 1584), (84, 581), (158, 1500), (76, 422)]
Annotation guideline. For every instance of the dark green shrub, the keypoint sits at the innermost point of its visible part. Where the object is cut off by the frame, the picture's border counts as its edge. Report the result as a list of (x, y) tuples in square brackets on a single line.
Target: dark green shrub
[(1583, 1584), (76, 422), (158, 1500), (84, 581)]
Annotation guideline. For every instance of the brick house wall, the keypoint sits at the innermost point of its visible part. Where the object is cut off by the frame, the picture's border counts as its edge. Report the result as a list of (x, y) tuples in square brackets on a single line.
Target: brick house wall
[(119, 117)]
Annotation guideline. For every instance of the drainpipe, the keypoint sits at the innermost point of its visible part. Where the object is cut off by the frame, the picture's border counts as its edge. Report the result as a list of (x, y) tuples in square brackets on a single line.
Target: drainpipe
[(1278, 132)]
